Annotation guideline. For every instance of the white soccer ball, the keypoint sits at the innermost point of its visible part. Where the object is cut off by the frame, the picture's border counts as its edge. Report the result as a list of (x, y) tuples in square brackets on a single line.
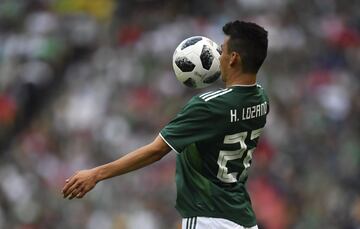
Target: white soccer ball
[(196, 62)]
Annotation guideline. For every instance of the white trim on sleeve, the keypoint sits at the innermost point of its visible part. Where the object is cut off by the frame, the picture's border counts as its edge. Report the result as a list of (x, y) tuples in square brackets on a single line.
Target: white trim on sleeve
[(168, 144)]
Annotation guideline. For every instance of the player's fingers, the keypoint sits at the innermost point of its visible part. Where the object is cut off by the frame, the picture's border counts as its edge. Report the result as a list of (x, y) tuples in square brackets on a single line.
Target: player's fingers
[(81, 194), (68, 184), (85, 190), (71, 196), (75, 192), (69, 179), (71, 188)]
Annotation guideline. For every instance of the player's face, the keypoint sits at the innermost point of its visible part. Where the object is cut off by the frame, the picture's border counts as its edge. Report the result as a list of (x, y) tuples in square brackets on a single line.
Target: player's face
[(224, 59)]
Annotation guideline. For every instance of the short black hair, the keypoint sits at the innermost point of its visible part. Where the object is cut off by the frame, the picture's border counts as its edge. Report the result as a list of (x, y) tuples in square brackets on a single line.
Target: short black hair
[(250, 41)]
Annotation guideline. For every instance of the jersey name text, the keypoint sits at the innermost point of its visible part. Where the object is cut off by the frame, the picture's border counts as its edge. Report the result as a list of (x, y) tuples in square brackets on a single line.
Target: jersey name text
[(248, 112)]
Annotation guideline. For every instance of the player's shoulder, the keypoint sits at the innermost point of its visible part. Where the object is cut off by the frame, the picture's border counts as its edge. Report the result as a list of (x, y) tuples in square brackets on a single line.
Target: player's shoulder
[(260, 87), (211, 95), (263, 91)]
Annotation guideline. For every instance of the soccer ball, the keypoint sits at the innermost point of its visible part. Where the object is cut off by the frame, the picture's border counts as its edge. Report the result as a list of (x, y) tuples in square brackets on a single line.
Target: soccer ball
[(196, 62)]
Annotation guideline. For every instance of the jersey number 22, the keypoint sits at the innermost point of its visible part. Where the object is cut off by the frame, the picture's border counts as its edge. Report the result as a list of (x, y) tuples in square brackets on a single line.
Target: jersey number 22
[(228, 155)]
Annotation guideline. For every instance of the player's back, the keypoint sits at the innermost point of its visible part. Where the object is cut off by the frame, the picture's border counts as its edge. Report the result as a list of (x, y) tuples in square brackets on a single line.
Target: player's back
[(216, 134), (239, 115)]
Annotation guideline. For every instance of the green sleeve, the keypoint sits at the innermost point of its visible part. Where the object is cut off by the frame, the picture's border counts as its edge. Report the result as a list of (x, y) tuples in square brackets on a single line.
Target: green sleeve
[(192, 124)]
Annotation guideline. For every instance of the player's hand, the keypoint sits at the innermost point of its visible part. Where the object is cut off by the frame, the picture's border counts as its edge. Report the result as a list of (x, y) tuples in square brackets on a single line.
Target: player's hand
[(80, 183)]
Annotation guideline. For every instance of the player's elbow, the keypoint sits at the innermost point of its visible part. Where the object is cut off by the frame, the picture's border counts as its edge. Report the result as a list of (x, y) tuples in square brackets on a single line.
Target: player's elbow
[(159, 149), (158, 156), (160, 152)]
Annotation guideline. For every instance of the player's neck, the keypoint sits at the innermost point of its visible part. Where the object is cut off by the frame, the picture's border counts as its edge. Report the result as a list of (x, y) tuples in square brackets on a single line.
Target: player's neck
[(241, 79)]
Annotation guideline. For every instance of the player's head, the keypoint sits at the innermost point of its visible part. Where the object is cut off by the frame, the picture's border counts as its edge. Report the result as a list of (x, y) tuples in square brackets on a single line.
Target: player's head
[(244, 48)]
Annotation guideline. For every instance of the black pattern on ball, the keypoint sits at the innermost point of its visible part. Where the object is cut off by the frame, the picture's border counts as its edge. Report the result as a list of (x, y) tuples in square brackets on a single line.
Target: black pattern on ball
[(206, 57), (184, 64), (212, 78), (190, 83), (191, 41)]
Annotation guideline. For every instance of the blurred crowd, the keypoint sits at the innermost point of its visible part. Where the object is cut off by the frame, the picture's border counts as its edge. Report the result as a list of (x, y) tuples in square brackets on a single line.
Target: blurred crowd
[(84, 82)]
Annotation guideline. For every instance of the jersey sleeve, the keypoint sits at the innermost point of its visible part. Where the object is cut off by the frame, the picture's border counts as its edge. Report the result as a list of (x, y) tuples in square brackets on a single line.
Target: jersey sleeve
[(192, 124)]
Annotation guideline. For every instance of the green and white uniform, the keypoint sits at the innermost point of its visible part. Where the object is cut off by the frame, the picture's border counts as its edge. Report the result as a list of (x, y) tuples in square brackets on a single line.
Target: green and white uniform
[(215, 135)]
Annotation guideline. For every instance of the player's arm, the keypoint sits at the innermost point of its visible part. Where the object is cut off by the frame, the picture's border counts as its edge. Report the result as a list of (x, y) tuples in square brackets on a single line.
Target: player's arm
[(85, 180)]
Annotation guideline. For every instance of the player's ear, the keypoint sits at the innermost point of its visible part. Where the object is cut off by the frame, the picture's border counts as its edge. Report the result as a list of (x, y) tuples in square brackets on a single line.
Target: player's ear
[(234, 58)]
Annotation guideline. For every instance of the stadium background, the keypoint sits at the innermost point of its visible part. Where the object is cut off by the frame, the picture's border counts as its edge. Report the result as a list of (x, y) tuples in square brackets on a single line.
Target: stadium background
[(83, 82)]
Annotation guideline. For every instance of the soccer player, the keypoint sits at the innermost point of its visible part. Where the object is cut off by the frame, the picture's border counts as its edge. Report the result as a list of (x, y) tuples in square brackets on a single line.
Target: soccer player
[(214, 136)]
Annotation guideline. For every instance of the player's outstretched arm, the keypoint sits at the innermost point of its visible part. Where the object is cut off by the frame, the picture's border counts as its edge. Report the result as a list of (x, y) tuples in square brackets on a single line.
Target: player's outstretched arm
[(85, 180)]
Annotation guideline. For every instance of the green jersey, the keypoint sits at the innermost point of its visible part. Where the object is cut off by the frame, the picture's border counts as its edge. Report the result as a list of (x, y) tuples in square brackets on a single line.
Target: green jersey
[(215, 135)]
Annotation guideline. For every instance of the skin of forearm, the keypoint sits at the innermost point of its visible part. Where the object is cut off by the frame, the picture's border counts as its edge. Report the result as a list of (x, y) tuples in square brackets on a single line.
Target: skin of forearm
[(135, 160)]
